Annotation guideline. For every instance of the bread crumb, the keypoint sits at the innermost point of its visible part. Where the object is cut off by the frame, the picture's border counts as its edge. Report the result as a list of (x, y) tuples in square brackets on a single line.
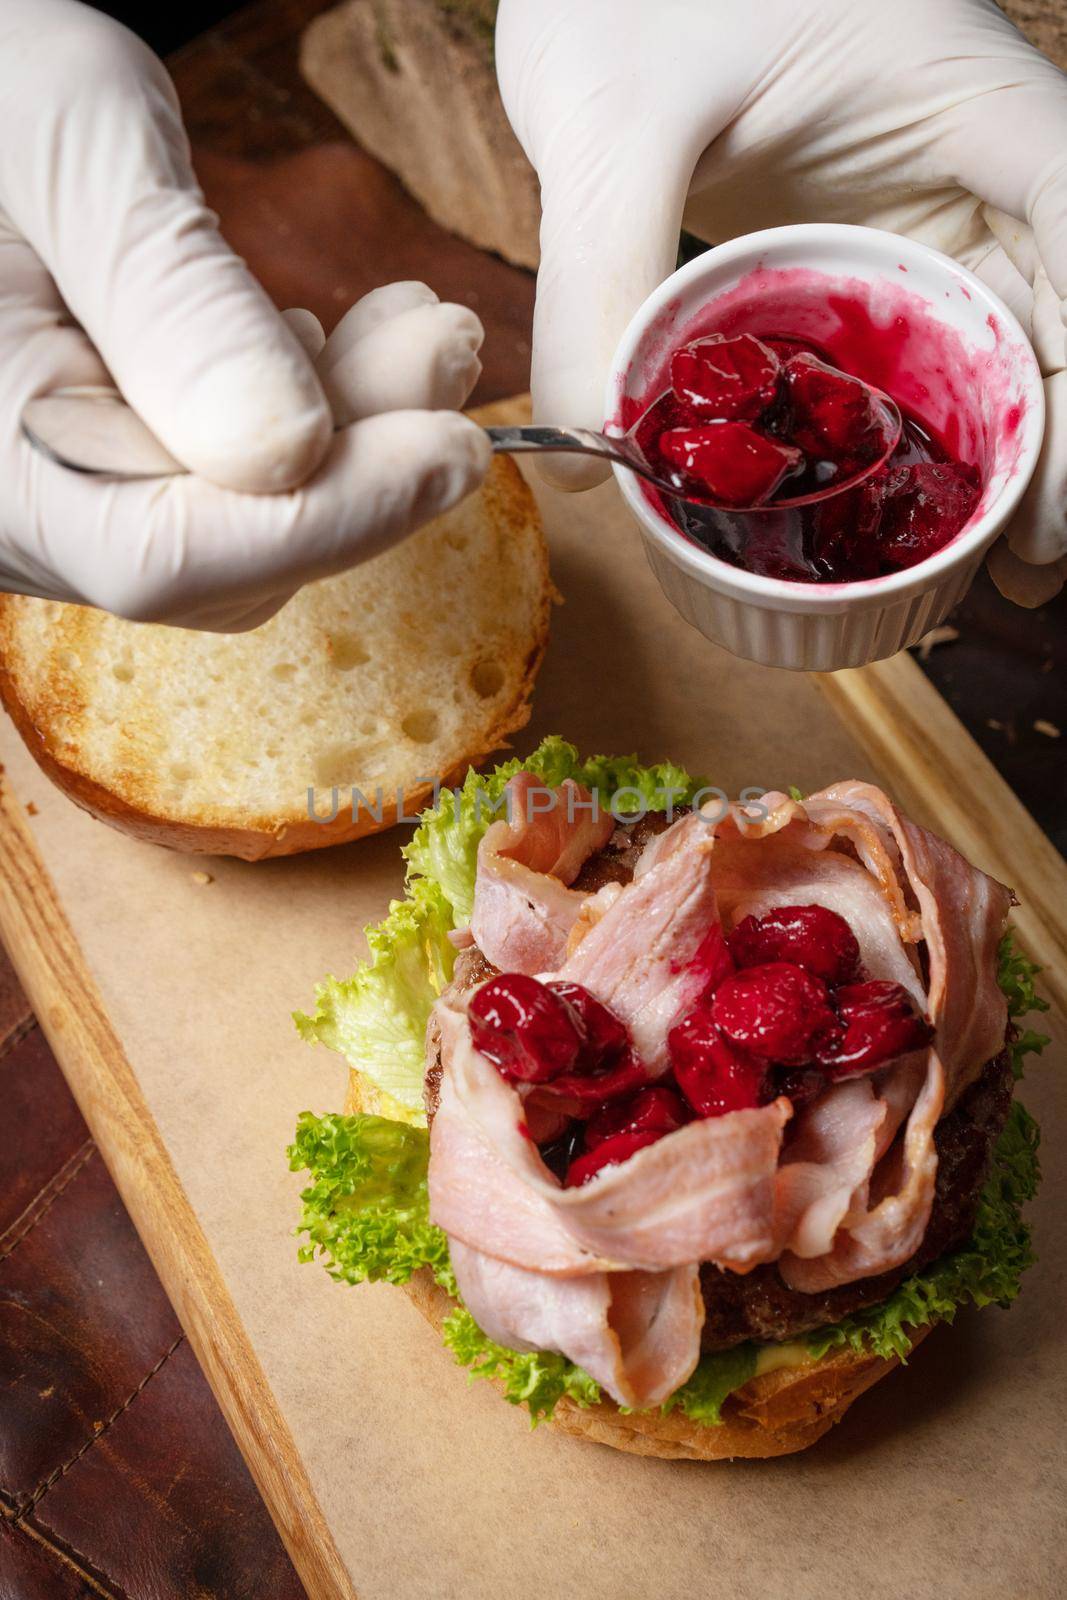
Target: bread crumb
[(931, 640), (202, 877), (31, 809), (1049, 729), (991, 722)]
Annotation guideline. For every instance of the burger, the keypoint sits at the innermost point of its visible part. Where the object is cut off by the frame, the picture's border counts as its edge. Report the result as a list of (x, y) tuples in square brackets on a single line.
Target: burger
[(684, 1120)]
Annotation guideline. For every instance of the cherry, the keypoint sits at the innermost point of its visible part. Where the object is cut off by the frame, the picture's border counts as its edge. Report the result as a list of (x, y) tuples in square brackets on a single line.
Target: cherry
[(608, 1154), (813, 937), (546, 1118), (834, 415), (777, 1011), (625, 1075), (523, 1028), (654, 1110), (880, 1022), (924, 506), (726, 378), (830, 425), (714, 1074), (559, 1035), (739, 466), (844, 536), (603, 1034)]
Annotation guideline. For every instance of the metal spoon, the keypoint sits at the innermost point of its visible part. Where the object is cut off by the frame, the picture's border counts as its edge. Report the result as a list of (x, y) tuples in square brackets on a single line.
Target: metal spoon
[(94, 431)]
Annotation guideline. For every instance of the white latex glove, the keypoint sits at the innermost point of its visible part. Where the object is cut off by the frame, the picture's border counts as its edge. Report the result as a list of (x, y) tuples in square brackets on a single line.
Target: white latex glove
[(932, 118), (101, 221)]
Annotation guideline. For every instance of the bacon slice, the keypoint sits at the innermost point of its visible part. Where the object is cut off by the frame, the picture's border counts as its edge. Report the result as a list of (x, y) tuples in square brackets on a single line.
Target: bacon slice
[(636, 1333), (703, 1193), (592, 910), (504, 1209), (641, 957), (864, 826), (961, 915), (751, 878), (827, 1166), (523, 909), (903, 1187), (846, 1195), (771, 814), (964, 913)]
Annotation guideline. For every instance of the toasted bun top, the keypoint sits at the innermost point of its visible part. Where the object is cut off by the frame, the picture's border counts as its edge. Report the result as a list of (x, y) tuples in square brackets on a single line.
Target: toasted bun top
[(411, 666)]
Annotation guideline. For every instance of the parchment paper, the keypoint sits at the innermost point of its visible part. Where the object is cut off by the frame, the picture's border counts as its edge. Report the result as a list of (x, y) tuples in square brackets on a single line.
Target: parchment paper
[(947, 1480)]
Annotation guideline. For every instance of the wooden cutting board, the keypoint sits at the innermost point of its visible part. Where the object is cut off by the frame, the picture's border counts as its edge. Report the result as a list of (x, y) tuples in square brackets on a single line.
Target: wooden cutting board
[(167, 1002)]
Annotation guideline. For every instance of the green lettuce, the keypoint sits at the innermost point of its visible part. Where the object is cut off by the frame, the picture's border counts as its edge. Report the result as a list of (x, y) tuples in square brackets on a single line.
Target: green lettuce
[(366, 1209), (537, 1379), (717, 1375), (540, 1379), (443, 850), (377, 1018), (1016, 974)]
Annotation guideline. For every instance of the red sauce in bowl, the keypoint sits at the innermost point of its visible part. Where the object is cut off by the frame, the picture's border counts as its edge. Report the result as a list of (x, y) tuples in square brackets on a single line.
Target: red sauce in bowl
[(754, 420)]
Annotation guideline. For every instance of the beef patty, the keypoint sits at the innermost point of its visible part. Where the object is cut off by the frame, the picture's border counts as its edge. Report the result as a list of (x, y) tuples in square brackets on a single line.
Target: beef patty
[(758, 1304)]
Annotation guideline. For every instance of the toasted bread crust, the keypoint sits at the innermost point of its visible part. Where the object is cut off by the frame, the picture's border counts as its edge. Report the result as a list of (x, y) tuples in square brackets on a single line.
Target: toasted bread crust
[(41, 699), (285, 838)]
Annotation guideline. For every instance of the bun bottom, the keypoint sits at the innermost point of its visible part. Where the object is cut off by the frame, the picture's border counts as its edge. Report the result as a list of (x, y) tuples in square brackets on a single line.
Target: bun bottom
[(775, 1414)]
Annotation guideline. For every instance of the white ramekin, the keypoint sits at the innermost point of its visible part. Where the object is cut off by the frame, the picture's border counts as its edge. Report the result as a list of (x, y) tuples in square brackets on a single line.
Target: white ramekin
[(985, 382)]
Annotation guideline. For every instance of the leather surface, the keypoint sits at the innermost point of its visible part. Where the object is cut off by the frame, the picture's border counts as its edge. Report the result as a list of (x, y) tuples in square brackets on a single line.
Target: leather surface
[(203, 1532), (118, 1475), (30, 1570), (74, 1349), (35, 1150)]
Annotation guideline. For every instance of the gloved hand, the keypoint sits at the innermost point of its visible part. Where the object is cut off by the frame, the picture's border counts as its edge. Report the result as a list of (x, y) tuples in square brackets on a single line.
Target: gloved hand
[(101, 219), (935, 120)]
